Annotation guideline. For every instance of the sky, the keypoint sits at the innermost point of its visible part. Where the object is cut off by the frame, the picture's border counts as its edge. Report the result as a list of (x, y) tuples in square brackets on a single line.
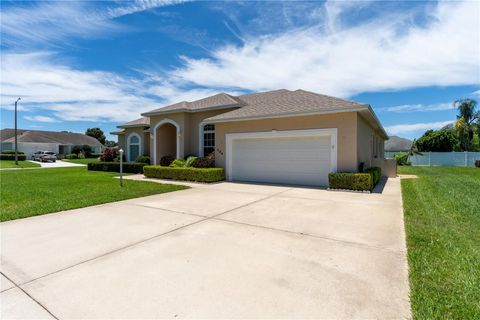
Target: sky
[(78, 65)]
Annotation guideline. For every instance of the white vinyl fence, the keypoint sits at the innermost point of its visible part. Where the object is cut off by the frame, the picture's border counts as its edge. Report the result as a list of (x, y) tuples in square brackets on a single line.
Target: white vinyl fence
[(458, 159)]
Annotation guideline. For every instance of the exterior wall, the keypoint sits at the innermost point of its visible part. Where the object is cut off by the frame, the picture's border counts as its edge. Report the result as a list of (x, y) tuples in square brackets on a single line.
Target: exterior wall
[(346, 124), (370, 145), (145, 141), (189, 129)]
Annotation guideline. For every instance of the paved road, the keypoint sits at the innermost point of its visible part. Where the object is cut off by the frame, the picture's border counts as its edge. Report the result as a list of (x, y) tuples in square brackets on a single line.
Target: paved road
[(226, 250)]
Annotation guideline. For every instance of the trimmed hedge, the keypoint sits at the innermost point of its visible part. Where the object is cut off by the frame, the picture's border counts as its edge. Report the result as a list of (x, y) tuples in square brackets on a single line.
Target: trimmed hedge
[(351, 181), (71, 156), (185, 173), (376, 173), (21, 157), (364, 181), (93, 155), (11, 152), (477, 163), (128, 167)]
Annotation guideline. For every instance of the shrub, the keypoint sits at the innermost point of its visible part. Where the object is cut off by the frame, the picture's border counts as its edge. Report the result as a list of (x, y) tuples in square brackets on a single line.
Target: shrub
[(165, 161), (60, 156), (351, 181), (376, 173), (108, 155), (81, 155), (128, 167), (143, 159), (178, 163), (185, 173), (20, 157), (402, 159), (205, 162), (477, 163), (11, 152), (77, 149), (71, 156), (86, 150), (189, 161)]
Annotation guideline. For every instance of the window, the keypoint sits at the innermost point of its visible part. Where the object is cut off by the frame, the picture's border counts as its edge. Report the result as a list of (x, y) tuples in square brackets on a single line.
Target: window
[(208, 139), (133, 148)]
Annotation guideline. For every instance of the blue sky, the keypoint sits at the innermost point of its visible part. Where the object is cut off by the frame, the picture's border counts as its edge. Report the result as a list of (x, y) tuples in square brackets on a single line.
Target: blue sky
[(84, 64)]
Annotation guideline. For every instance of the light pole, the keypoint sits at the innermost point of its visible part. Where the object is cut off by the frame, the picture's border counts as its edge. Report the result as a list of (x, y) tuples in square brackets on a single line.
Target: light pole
[(121, 167), (16, 145)]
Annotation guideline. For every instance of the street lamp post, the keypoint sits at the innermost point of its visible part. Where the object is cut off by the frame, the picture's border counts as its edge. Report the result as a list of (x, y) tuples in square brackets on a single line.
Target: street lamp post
[(16, 145), (121, 167)]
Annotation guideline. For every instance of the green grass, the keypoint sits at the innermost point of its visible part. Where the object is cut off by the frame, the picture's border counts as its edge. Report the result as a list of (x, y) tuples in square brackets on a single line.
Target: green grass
[(26, 193), (21, 164), (442, 219), (81, 161)]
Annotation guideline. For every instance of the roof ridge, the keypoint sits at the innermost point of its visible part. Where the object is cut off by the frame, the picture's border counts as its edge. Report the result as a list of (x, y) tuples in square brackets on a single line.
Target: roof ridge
[(326, 95)]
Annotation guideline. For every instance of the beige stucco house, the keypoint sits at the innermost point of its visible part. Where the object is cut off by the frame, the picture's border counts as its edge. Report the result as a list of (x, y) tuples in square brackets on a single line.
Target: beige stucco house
[(281, 136)]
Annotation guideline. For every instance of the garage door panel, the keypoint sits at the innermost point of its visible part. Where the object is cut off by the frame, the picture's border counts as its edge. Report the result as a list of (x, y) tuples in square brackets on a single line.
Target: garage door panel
[(294, 160)]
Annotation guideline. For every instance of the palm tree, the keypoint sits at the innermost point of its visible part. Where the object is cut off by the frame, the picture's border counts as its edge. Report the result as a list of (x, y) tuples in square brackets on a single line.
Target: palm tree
[(467, 119)]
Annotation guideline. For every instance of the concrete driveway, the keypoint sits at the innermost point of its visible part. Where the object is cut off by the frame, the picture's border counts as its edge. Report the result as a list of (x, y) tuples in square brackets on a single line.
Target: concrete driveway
[(226, 250)]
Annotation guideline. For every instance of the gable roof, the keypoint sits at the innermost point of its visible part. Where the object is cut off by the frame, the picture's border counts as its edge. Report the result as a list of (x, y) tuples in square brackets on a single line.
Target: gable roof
[(38, 136), (218, 101), (140, 122), (286, 103), (271, 104)]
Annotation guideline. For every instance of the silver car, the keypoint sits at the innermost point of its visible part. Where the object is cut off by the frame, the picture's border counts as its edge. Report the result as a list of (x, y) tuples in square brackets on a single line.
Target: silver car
[(44, 156)]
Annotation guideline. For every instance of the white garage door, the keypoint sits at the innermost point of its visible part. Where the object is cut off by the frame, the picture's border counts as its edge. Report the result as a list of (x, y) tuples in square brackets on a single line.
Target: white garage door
[(303, 157)]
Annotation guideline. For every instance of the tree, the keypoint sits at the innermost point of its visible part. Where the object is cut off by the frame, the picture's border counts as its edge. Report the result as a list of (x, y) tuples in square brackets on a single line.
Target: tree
[(468, 122), (110, 143), (96, 133), (437, 141)]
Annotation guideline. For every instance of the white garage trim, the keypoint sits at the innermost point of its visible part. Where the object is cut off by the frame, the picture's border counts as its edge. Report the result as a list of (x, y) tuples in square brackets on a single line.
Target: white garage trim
[(164, 121), (230, 137)]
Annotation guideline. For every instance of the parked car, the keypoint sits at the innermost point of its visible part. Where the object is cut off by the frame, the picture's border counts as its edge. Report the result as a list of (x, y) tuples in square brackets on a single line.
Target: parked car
[(44, 156)]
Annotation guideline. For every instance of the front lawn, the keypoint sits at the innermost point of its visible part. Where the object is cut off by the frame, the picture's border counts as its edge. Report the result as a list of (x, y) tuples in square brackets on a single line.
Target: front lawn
[(442, 219), (81, 161), (25, 193), (21, 164)]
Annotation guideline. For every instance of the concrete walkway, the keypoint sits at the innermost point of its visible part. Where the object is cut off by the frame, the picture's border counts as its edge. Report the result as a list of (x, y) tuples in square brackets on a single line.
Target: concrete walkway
[(226, 250), (57, 164)]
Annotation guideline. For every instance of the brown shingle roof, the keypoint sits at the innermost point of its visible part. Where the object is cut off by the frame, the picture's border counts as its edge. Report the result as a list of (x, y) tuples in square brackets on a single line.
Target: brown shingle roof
[(216, 101), (140, 122), (285, 102), (38, 136)]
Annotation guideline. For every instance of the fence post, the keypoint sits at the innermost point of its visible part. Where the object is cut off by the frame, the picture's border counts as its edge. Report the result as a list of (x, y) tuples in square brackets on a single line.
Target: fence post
[(429, 158), (466, 158)]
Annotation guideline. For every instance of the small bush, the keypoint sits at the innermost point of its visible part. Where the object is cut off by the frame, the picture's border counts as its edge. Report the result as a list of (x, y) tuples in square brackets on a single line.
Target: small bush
[(128, 167), (81, 155), (11, 152), (185, 173), (178, 163), (60, 156), (77, 149), (402, 159), (205, 162), (477, 163), (376, 173), (71, 156), (189, 161), (108, 155), (351, 181), (143, 159), (20, 157), (165, 161)]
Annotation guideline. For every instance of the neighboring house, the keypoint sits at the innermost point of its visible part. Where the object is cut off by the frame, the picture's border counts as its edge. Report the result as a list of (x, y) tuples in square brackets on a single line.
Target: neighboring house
[(31, 141), (282, 136)]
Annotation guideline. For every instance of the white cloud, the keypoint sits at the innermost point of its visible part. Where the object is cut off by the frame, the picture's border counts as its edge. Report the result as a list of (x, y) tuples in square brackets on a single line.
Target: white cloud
[(412, 127), (421, 107), (40, 119), (372, 56)]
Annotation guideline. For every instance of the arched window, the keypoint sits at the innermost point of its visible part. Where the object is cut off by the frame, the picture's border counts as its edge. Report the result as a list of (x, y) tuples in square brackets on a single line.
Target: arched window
[(208, 139), (133, 147)]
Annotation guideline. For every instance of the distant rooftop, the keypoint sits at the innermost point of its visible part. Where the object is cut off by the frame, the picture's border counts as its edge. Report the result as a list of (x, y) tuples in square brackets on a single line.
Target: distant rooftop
[(38, 136)]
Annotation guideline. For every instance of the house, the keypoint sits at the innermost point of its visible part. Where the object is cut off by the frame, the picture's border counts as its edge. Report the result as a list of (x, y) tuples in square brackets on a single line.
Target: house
[(282, 136), (31, 141)]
